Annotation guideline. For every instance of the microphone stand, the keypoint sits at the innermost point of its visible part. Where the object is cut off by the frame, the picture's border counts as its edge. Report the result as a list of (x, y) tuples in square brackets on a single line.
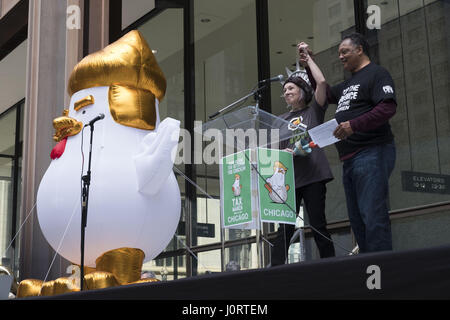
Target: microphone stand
[(254, 93), (257, 94), (86, 181), (259, 249)]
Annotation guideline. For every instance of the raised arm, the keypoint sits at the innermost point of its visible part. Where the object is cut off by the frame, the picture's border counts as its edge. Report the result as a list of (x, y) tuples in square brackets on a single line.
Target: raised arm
[(318, 79)]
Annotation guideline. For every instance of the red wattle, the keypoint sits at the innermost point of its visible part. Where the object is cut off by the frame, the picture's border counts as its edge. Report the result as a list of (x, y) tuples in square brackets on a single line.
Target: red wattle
[(58, 150)]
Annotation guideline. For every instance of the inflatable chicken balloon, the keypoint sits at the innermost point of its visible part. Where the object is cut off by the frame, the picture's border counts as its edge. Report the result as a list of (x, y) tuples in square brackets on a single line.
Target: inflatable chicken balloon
[(134, 199)]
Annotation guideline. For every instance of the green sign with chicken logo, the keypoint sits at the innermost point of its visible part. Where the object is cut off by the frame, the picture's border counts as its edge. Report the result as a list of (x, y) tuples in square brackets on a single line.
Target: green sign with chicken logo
[(276, 186), (269, 191), (236, 189)]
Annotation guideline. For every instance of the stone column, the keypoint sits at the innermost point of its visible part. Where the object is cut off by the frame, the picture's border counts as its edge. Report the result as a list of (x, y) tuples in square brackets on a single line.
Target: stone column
[(98, 24), (53, 51), (44, 100)]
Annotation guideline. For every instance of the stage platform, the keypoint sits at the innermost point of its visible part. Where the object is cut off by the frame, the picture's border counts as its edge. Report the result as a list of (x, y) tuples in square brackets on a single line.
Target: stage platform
[(416, 274)]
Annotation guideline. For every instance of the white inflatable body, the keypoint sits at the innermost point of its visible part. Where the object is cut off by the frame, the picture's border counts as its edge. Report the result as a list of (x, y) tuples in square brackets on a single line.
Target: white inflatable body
[(134, 198)]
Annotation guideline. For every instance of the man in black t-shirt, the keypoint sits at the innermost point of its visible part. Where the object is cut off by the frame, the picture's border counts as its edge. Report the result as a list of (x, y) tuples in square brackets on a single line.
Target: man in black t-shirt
[(365, 103)]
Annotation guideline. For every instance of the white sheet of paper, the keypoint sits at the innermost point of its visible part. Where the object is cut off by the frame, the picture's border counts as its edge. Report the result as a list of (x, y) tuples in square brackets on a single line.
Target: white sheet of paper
[(323, 135)]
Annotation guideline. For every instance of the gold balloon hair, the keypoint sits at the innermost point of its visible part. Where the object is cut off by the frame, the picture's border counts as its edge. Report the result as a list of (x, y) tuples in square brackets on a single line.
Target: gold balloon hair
[(129, 68)]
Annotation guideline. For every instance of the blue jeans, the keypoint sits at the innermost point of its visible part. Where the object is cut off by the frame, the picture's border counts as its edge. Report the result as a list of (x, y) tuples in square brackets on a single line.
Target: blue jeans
[(366, 184)]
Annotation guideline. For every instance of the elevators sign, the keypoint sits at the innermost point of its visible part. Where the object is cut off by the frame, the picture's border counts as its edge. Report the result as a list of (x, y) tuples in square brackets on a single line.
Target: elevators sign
[(425, 182), (276, 186), (236, 189)]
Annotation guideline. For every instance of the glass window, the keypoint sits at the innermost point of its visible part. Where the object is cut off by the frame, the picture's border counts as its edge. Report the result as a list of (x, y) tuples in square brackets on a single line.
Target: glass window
[(167, 47), (6, 193), (10, 185), (8, 133), (241, 257), (12, 77), (131, 13), (166, 269), (12, 90), (208, 230), (413, 45), (225, 70), (209, 262)]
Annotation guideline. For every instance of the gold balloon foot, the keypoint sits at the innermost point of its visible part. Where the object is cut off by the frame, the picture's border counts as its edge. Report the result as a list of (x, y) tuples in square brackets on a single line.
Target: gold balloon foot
[(29, 288), (124, 263), (99, 280), (113, 268), (58, 286), (147, 280)]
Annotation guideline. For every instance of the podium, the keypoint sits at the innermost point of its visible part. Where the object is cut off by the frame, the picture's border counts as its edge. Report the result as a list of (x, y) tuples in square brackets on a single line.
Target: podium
[(257, 182), (250, 120)]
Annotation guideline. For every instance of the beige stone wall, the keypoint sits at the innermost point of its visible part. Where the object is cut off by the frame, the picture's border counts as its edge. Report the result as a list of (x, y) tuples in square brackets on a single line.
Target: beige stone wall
[(53, 51), (6, 5)]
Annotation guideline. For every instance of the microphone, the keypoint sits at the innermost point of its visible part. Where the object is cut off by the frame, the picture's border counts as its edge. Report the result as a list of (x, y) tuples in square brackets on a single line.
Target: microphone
[(273, 79), (99, 117)]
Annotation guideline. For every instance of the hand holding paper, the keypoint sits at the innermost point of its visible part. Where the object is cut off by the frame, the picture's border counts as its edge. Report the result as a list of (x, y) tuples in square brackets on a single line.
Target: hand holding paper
[(323, 135), (343, 130)]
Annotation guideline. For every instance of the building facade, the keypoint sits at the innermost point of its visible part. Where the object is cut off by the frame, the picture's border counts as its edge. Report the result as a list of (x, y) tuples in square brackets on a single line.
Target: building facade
[(212, 53)]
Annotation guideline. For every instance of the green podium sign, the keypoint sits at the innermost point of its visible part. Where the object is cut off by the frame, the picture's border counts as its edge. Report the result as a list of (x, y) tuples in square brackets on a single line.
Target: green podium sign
[(266, 189), (276, 186), (236, 189)]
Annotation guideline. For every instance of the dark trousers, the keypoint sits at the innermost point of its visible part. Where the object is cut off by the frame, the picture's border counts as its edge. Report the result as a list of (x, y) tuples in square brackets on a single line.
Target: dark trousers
[(366, 183), (313, 196)]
